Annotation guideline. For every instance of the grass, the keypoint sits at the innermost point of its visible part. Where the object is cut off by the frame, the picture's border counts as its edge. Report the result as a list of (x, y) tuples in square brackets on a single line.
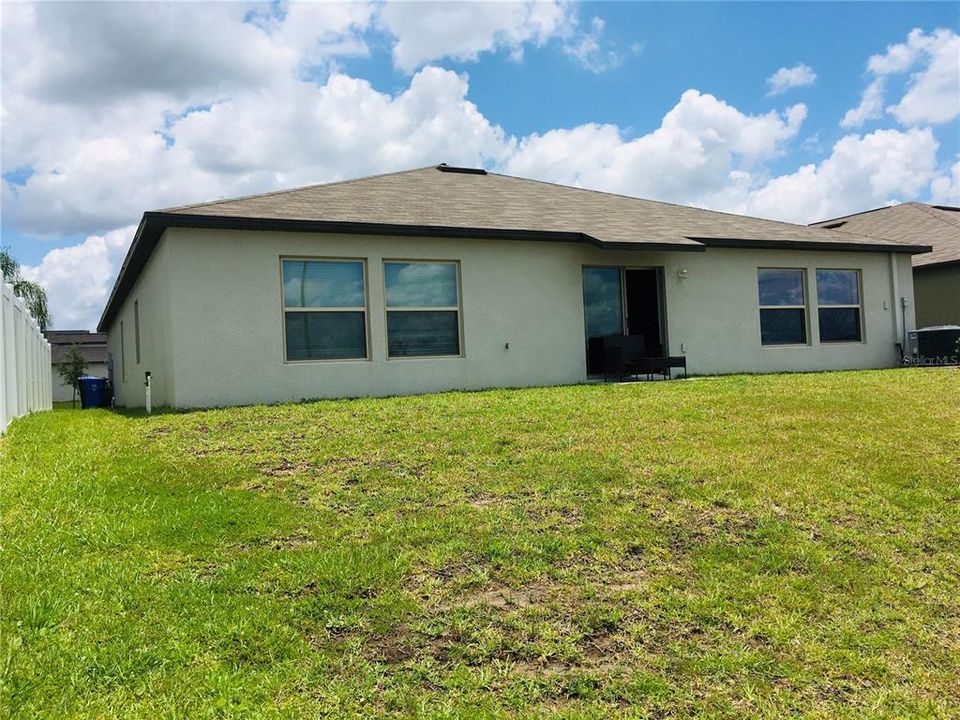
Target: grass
[(761, 546)]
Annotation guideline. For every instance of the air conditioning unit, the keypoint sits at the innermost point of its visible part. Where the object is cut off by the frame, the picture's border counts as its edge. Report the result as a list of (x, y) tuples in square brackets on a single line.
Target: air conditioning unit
[(934, 345)]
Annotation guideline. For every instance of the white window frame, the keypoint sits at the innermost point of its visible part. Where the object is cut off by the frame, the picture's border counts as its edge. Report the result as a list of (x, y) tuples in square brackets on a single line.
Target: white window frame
[(805, 307), (458, 308), (858, 306), (365, 309)]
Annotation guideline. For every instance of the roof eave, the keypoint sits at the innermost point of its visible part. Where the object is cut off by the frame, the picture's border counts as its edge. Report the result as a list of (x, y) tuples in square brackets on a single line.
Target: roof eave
[(122, 284), (937, 264), (404, 230), (833, 245)]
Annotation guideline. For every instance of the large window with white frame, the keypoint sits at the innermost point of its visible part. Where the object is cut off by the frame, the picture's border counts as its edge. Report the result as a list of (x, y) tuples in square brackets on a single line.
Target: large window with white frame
[(324, 309), (839, 305), (423, 308), (783, 306)]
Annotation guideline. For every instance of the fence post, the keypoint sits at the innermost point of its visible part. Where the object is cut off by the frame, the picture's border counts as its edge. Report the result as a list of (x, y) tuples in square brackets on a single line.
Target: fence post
[(26, 373), (3, 357), (10, 355)]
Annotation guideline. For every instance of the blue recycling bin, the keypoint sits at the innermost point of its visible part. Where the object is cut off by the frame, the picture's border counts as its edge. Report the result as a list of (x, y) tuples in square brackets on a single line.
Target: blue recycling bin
[(93, 392)]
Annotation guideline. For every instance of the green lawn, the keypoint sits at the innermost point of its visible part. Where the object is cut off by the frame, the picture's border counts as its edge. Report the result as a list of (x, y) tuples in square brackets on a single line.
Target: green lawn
[(762, 546)]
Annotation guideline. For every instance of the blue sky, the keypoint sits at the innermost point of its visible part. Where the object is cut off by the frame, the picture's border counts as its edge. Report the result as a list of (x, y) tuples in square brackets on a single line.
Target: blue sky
[(99, 127), (727, 49)]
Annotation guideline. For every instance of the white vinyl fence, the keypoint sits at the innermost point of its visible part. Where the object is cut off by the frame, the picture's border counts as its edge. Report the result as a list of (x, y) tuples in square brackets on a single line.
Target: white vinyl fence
[(25, 372)]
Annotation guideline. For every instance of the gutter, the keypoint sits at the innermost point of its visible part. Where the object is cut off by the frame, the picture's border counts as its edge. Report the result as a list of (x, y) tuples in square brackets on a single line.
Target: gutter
[(887, 247), (936, 265)]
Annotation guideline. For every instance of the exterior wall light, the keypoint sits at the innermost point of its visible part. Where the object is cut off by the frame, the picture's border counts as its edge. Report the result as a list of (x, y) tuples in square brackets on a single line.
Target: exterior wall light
[(682, 273)]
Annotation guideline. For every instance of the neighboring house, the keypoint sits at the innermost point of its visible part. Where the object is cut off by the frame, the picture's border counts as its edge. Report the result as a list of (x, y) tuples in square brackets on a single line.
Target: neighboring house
[(452, 278), (936, 275), (93, 347)]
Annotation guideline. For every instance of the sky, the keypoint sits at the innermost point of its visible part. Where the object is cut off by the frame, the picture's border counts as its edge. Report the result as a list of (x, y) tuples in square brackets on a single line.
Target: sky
[(792, 111)]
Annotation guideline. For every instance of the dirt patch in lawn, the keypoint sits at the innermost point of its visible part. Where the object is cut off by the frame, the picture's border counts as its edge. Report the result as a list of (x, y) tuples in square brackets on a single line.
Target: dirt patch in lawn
[(499, 596), (294, 541), (284, 468)]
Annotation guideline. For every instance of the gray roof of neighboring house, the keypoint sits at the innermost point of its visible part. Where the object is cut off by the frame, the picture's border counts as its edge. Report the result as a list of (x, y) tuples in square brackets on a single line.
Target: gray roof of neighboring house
[(93, 346), (934, 225), (444, 201)]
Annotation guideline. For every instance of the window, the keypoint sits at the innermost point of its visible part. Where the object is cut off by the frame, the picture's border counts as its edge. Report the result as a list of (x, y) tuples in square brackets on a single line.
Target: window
[(603, 301), (123, 356), (783, 306), (839, 307), (324, 309), (423, 309), (136, 328)]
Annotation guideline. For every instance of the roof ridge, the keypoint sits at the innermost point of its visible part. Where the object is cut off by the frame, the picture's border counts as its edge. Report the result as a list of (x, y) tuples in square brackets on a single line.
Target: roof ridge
[(292, 190), (930, 210), (656, 202)]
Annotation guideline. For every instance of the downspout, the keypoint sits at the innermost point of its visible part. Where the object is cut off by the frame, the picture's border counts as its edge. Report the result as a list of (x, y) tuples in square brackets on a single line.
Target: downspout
[(899, 316)]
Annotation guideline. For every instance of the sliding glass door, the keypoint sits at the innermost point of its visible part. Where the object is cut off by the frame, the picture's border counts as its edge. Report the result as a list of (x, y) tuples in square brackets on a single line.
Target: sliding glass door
[(622, 301), (603, 310)]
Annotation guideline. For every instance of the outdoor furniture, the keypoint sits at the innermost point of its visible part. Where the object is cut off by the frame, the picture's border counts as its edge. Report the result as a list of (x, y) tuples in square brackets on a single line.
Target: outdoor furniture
[(628, 355), (663, 365)]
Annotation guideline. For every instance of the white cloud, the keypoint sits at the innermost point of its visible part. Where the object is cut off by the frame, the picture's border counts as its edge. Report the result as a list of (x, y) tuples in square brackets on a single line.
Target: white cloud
[(691, 155), (899, 57), (78, 279), (870, 107), (786, 78), (933, 91), (945, 189), (861, 172), (708, 153), (290, 134), (83, 53), (78, 72), (594, 53), (462, 30)]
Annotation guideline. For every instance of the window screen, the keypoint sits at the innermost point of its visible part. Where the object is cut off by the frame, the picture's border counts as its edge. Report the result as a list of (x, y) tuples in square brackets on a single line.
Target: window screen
[(423, 309), (324, 309), (839, 307), (783, 309)]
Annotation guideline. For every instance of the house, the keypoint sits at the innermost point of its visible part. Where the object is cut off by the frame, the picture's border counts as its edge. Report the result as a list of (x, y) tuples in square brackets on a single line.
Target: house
[(455, 278), (936, 275), (93, 347)]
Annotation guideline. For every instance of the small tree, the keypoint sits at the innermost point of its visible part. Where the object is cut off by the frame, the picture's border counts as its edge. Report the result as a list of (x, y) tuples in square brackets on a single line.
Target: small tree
[(73, 367)]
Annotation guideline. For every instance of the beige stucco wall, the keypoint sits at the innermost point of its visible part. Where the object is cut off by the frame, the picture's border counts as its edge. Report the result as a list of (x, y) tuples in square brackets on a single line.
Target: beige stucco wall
[(223, 337), (157, 342), (64, 393), (938, 295)]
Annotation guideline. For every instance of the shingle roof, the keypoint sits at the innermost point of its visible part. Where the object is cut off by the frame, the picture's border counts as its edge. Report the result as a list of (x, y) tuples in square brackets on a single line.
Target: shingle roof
[(93, 346), (426, 197), (934, 225), (443, 201)]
